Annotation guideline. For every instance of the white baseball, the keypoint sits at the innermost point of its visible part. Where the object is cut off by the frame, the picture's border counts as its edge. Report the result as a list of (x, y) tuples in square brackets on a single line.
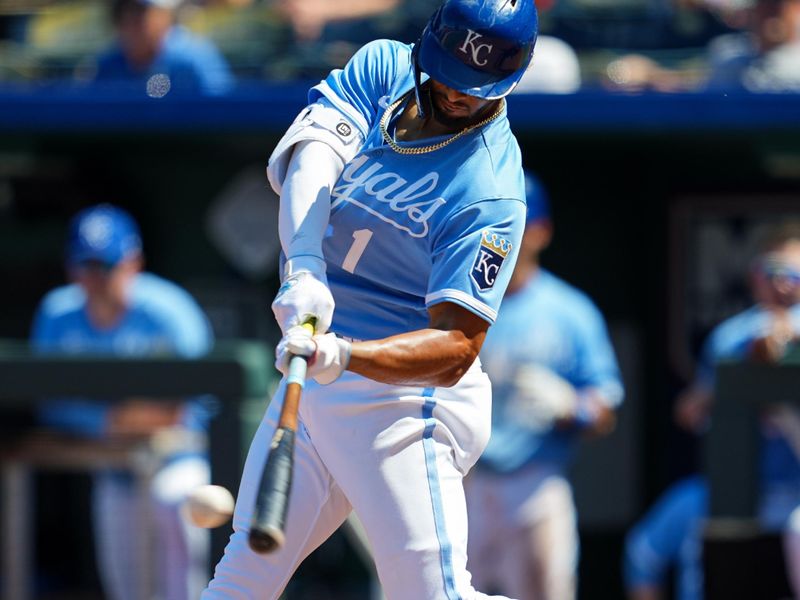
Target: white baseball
[(209, 506)]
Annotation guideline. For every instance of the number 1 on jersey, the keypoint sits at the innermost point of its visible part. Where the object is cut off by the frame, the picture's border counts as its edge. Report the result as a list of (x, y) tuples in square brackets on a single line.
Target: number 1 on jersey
[(360, 240)]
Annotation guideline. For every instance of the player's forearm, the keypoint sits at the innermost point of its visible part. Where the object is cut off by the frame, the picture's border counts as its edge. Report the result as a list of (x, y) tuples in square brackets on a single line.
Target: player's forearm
[(427, 357)]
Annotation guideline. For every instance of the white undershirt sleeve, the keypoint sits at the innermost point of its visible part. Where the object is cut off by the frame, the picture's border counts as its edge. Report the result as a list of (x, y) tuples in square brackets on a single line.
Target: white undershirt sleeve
[(306, 203)]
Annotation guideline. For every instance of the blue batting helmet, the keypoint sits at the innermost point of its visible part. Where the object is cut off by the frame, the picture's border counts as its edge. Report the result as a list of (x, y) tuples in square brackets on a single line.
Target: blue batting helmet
[(478, 47)]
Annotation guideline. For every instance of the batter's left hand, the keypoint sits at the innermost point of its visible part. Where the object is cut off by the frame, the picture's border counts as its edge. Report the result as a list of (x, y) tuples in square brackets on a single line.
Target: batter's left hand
[(327, 355)]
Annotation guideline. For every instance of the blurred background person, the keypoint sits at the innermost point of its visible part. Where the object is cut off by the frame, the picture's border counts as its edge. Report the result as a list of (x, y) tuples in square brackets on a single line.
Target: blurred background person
[(554, 377), (764, 57), (670, 534), (153, 52), (113, 308)]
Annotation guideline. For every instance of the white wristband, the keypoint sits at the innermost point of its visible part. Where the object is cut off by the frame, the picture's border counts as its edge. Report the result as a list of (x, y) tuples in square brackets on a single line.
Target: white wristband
[(307, 263)]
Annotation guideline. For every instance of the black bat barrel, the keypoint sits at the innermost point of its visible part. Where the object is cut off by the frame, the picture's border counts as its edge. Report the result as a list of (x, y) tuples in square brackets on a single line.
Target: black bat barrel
[(267, 530)]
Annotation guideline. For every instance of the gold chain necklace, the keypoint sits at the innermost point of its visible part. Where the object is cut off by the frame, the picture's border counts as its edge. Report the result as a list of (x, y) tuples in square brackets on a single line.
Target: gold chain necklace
[(384, 125)]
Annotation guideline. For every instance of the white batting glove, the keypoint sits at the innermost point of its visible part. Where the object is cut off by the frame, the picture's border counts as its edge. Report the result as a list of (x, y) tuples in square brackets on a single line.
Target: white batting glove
[(327, 355), (541, 398), (304, 294)]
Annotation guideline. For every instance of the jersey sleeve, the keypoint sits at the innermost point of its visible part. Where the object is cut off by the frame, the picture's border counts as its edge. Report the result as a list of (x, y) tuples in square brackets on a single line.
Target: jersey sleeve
[(704, 372), (731, 340), (189, 329), (42, 331), (597, 366), (474, 254), (356, 89)]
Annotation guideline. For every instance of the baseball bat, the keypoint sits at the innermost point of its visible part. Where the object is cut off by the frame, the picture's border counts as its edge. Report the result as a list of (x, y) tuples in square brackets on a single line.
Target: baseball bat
[(272, 501)]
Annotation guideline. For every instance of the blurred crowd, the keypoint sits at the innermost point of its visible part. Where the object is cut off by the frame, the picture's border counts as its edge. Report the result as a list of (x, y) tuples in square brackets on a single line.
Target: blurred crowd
[(207, 46)]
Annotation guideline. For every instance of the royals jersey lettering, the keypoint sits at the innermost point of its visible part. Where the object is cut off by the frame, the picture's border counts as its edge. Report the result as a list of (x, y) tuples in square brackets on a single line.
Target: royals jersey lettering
[(408, 231)]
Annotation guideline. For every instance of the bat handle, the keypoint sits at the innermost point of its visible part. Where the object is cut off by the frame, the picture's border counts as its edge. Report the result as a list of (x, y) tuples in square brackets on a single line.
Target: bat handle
[(295, 381)]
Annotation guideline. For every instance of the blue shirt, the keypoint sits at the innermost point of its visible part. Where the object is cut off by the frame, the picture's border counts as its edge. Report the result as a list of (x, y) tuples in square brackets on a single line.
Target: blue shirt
[(193, 65), (670, 534), (731, 340), (551, 324), (162, 320), (407, 232)]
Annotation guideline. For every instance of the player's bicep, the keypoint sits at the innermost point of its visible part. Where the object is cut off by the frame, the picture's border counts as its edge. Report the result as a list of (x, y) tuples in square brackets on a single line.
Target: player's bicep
[(467, 330)]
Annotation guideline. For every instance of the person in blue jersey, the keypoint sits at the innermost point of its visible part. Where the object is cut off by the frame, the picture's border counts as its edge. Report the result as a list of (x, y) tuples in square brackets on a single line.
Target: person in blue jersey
[(402, 205), (555, 378), (762, 333), (154, 55), (113, 308)]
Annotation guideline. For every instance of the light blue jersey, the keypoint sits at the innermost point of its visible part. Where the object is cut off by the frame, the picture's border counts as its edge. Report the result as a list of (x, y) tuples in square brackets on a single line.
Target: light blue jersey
[(162, 320), (670, 534), (410, 231), (551, 324)]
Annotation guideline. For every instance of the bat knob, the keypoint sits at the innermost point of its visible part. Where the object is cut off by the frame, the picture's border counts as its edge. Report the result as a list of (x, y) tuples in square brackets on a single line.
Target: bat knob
[(265, 542)]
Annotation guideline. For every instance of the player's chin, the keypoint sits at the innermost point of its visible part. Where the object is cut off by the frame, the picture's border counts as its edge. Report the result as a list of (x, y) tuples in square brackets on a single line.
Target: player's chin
[(451, 117)]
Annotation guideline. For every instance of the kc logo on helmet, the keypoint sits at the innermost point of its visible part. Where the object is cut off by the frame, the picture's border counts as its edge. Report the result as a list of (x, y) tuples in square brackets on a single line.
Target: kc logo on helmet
[(491, 254), (470, 46)]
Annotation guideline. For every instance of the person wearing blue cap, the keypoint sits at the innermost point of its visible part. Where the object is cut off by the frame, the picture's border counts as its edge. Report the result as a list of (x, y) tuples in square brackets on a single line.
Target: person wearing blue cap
[(113, 308), (154, 55), (554, 377)]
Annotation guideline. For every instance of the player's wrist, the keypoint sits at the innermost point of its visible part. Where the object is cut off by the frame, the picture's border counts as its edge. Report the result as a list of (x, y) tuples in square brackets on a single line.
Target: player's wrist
[(305, 263)]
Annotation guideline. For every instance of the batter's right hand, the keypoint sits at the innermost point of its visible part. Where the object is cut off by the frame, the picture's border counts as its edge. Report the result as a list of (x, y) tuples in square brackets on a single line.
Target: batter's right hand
[(328, 356), (304, 294)]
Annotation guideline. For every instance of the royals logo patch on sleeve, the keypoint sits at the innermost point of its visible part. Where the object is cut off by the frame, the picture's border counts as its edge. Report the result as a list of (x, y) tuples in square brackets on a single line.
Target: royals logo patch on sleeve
[(491, 254)]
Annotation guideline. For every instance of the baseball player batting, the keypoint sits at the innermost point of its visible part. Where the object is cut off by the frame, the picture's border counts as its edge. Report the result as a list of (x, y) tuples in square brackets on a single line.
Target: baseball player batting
[(402, 204)]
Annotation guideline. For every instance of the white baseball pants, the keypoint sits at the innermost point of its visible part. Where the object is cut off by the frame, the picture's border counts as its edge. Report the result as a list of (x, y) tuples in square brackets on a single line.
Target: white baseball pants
[(523, 533), (181, 549), (397, 456)]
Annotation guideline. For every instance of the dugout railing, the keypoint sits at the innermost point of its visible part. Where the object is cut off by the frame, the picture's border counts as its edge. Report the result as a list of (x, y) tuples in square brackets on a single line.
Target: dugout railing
[(239, 374), (741, 559)]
